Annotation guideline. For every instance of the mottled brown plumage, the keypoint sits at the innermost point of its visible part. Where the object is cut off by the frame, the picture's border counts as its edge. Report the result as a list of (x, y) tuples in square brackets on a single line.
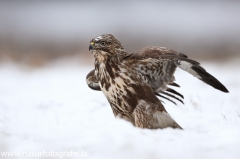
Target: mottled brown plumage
[(131, 81)]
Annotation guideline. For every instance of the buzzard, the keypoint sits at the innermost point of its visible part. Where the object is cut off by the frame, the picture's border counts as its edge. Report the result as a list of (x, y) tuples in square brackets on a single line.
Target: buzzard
[(131, 81)]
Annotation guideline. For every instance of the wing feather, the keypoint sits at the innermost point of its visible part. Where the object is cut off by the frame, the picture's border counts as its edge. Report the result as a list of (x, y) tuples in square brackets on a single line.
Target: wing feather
[(92, 81), (174, 92), (163, 55), (158, 65)]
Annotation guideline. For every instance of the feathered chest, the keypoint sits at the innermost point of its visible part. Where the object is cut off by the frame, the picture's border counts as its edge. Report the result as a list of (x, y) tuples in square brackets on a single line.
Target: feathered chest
[(114, 80), (116, 83)]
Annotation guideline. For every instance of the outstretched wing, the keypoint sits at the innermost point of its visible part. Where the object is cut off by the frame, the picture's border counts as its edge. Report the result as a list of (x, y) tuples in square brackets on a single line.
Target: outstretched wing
[(92, 81), (159, 65)]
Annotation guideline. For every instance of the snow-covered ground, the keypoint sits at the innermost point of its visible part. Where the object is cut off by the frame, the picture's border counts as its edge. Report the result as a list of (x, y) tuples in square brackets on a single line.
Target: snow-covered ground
[(52, 109)]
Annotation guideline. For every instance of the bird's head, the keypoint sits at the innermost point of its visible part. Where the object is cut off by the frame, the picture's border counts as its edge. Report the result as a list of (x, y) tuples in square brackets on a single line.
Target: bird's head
[(105, 44)]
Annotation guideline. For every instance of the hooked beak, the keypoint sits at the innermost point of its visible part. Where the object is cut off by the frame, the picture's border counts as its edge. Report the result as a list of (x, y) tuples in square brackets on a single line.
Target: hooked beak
[(91, 46)]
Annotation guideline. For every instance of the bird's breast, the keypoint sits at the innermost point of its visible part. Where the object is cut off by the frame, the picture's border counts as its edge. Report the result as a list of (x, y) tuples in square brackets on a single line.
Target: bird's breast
[(114, 87)]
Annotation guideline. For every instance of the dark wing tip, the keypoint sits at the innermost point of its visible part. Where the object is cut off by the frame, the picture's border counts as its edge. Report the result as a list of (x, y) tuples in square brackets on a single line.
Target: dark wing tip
[(209, 79), (224, 89), (221, 87), (174, 84)]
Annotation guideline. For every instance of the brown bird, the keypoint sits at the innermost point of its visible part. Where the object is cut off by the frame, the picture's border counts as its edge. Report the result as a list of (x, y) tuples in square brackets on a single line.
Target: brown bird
[(130, 81)]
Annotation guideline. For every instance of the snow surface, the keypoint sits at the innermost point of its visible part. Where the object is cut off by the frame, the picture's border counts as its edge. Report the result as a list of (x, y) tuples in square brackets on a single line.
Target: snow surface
[(52, 109)]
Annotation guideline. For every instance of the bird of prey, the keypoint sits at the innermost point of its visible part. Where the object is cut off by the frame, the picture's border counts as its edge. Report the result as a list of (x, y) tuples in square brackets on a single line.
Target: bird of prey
[(131, 81)]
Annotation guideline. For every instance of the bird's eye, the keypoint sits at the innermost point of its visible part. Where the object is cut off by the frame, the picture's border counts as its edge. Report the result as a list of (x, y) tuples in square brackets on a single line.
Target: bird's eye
[(102, 43)]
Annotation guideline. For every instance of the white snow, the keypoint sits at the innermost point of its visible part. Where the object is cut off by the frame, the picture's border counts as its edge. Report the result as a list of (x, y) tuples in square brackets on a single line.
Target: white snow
[(52, 109)]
